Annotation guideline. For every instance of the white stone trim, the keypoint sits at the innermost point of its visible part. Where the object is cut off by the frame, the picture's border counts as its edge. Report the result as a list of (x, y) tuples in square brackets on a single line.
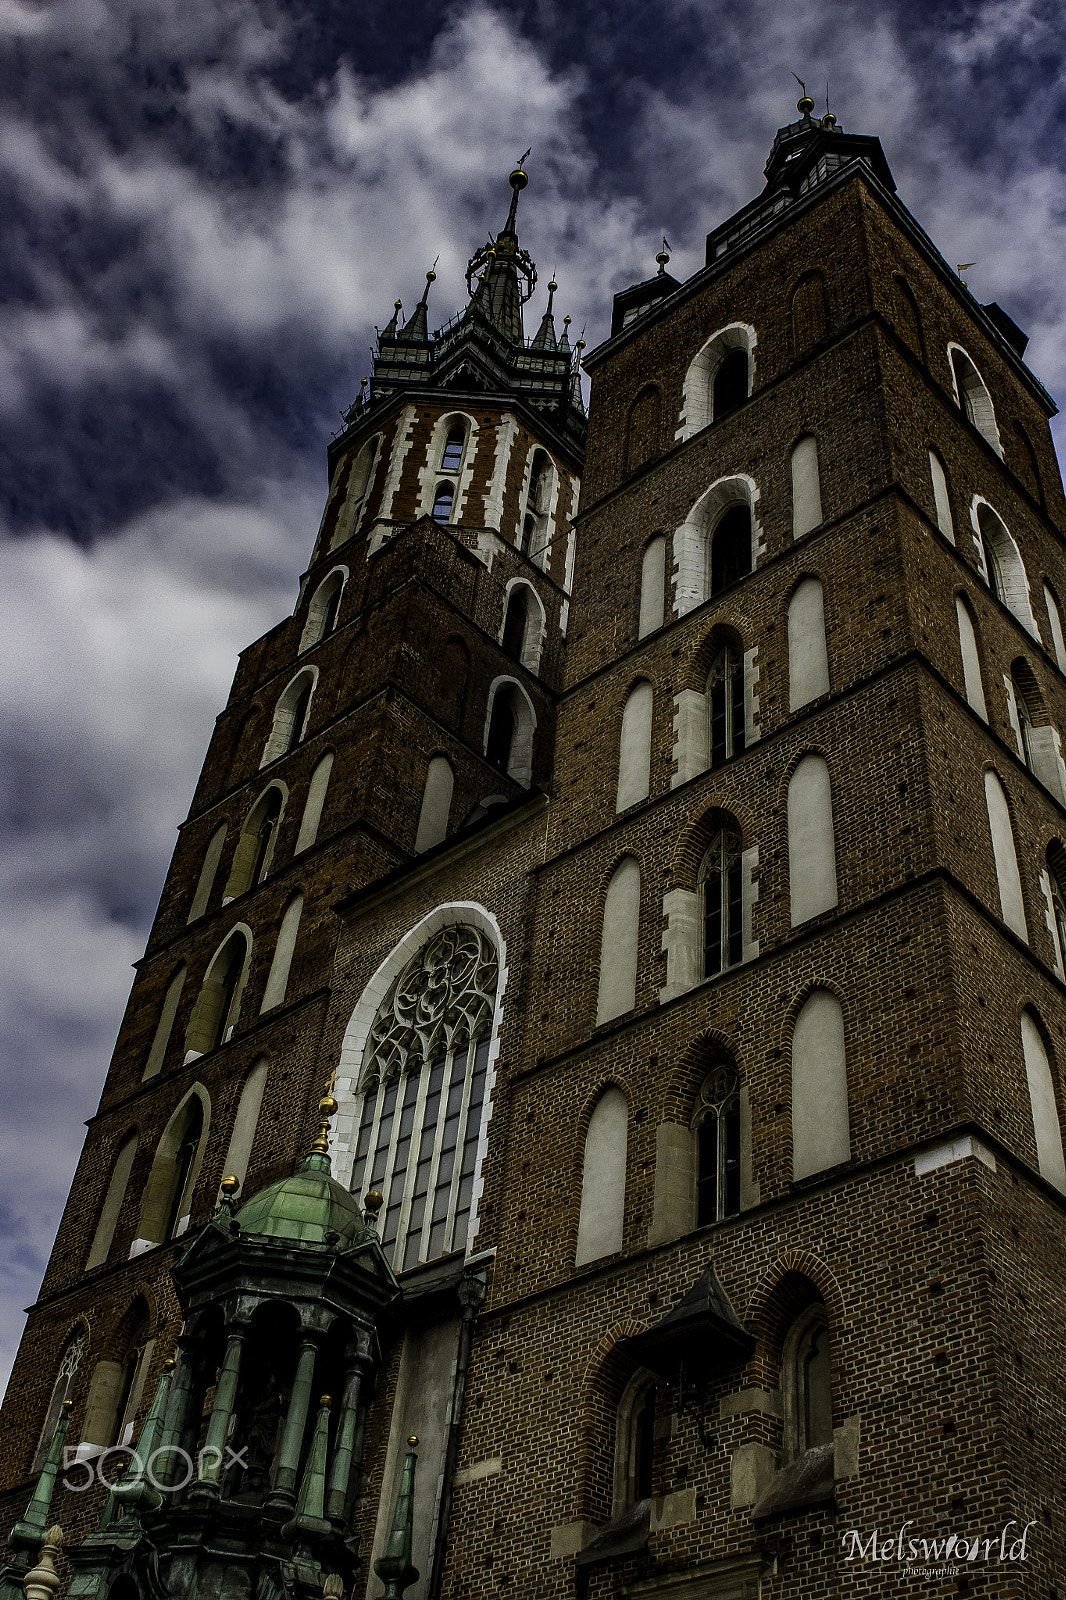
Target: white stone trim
[(432, 472), (699, 379), (984, 418), (506, 433), (536, 629), (692, 539), (520, 764), (1011, 567)]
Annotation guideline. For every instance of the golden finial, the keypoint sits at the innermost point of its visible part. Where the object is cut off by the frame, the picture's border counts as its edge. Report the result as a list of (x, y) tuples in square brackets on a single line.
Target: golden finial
[(567, 321), (964, 266), (664, 255), (519, 178), (230, 1184), (373, 1201), (169, 1364), (326, 1400), (580, 345), (413, 1440), (327, 1106), (805, 105)]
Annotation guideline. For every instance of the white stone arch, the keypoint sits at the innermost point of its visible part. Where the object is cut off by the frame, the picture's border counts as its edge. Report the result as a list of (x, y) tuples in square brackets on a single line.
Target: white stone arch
[(346, 1089), (972, 396), (436, 803), (121, 1167), (314, 803), (252, 856), (538, 546), (1047, 1126), (938, 477), (520, 763), (634, 745), (1005, 856), (433, 472), (159, 1191), (696, 406), (603, 1177), (692, 541), (808, 655), (246, 1120), (994, 542), (283, 733), (206, 881), (278, 978), (972, 676), (652, 586), (319, 606), (619, 941), (354, 485), (812, 873), (806, 486), (820, 1117), (536, 627), (208, 1026), (1054, 617)]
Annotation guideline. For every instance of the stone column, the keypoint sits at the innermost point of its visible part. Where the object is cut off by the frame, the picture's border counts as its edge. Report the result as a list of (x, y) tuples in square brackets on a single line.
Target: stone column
[(288, 1472), (221, 1413), (347, 1437)]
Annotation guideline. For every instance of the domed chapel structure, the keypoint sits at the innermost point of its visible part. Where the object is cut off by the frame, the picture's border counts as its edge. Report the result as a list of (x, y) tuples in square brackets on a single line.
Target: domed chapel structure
[(650, 830)]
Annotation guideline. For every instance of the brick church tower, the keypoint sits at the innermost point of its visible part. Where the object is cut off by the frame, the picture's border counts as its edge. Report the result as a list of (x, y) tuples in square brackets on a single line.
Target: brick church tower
[(672, 892)]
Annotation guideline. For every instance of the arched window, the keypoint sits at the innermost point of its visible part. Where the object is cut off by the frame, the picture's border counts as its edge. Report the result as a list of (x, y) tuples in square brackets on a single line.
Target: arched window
[(716, 1123), (729, 388), (242, 1139), (634, 1446), (812, 869), (973, 397), (278, 978), (809, 319), (1005, 856), (290, 716), (971, 660), (62, 1389), (634, 746), (423, 1083), (1038, 741), (907, 318), (1047, 1128), (652, 587), (820, 1118), (1054, 617), (112, 1206), (725, 703), (323, 609), (451, 458), (644, 428), (164, 1027), (731, 548), (720, 885), (214, 1016), (619, 942), (1022, 683), (346, 503), (603, 1179), (117, 1384), (719, 377), (255, 848), (443, 501), (206, 881), (436, 804), (1030, 466), (535, 533), (1056, 894), (514, 622), (313, 805), (501, 731), (807, 1383), (806, 487), (808, 657), (166, 1205), (941, 497), (177, 1218)]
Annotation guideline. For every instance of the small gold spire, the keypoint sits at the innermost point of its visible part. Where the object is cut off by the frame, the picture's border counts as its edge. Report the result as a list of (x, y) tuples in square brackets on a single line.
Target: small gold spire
[(326, 1400), (230, 1184), (413, 1440), (327, 1106), (519, 177), (664, 255), (169, 1364)]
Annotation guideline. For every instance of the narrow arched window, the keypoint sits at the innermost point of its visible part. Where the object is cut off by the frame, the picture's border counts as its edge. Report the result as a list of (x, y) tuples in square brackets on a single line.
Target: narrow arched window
[(725, 702), (619, 942), (729, 389), (1047, 1128), (528, 534), (206, 881), (348, 496), (731, 548), (314, 804), (278, 978), (644, 428), (165, 1026), (652, 587), (1056, 879), (807, 1383), (720, 886), (634, 746), (1005, 856), (112, 1206), (131, 1377), (941, 498), (820, 1117), (603, 1179), (501, 730), (808, 656), (116, 1384), (436, 804), (514, 622), (323, 609), (538, 505), (809, 318), (971, 660), (255, 848), (634, 1446), (443, 501), (242, 1139), (1054, 617), (806, 487), (424, 1084), (452, 454), (1026, 719), (215, 1013), (264, 836), (812, 869), (974, 398), (290, 716), (62, 1389), (166, 1204), (716, 1122), (177, 1216)]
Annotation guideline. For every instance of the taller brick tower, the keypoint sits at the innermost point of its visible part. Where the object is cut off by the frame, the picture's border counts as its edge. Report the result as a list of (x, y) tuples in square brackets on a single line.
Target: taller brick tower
[(691, 996)]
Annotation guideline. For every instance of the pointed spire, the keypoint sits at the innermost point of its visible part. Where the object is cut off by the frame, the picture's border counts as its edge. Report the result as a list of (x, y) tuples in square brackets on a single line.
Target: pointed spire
[(505, 274), (309, 1516), (394, 1567), (32, 1527), (317, 1158), (135, 1492), (389, 330), (545, 337), (417, 324), (564, 342), (663, 257)]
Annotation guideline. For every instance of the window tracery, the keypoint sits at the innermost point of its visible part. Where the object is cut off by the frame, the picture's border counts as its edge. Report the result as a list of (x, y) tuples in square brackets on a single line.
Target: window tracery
[(716, 1122)]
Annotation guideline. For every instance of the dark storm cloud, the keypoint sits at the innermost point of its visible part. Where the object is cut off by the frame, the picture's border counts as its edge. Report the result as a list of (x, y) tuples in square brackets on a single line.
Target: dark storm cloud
[(207, 207)]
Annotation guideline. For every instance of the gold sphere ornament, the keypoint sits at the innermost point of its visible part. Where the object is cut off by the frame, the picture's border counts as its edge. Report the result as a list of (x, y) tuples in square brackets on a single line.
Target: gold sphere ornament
[(374, 1200), (806, 105), (327, 1105), (413, 1440), (518, 179), (230, 1184)]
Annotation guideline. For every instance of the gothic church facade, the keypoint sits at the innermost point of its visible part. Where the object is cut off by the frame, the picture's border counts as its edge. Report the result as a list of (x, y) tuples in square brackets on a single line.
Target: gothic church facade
[(652, 828)]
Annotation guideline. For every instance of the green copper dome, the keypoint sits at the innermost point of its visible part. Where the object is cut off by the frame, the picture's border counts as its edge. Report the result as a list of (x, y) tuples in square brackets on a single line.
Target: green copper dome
[(304, 1208)]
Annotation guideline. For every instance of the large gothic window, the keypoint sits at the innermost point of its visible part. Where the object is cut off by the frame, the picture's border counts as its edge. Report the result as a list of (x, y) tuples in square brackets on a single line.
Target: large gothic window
[(720, 887), (62, 1390), (725, 697), (716, 1122), (424, 1077)]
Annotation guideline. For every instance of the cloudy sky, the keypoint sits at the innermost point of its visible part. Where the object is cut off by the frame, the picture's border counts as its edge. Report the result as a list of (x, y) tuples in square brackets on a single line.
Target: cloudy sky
[(207, 208)]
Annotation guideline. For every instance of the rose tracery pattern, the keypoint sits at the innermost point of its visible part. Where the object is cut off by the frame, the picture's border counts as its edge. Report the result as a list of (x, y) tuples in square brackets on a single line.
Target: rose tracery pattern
[(442, 998)]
